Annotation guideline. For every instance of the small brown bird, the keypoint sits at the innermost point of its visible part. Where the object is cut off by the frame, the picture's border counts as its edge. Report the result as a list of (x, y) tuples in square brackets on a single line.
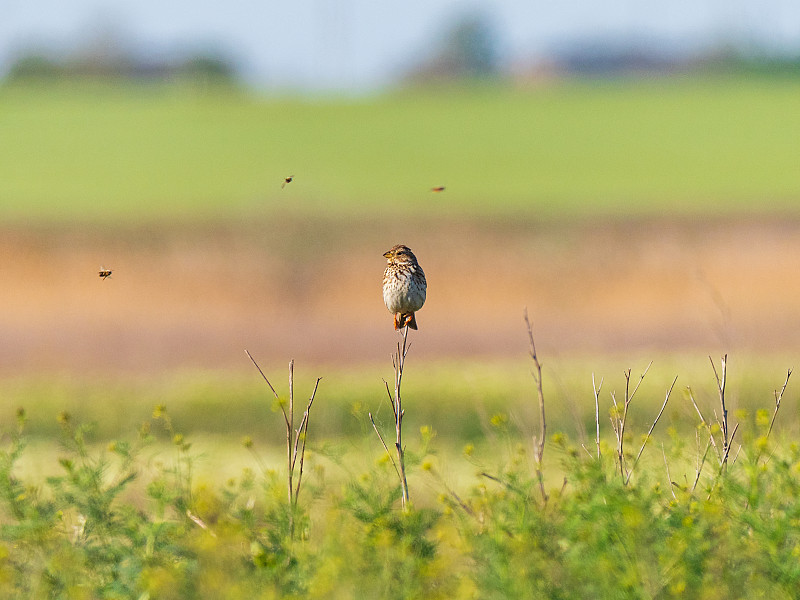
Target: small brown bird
[(104, 273), (287, 180), (438, 188), (404, 286)]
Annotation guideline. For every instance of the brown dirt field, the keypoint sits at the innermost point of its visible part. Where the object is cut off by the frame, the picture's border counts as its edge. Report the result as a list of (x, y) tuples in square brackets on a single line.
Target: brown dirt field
[(185, 296)]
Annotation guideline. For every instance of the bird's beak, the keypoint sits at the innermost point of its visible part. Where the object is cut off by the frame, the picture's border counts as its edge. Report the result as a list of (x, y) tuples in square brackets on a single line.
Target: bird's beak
[(387, 254)]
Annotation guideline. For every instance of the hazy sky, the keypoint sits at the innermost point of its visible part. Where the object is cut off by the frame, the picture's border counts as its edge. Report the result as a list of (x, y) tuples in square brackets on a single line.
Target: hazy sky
[(365, 43)]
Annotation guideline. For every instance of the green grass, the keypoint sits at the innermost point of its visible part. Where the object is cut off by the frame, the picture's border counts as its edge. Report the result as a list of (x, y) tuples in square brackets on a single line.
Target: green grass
[(714, 145), (133, 519), (456, 398)]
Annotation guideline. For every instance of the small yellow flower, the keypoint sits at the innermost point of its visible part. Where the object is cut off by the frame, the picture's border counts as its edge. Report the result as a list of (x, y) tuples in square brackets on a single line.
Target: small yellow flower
[(499, 420), (678, 587)]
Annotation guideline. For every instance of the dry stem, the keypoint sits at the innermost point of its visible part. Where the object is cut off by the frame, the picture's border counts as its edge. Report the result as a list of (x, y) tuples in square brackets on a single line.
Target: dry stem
[(380, 437), (295, 438), (538, 441), (723, 446), (400, 359), (618, 421), (398, 362), (723, 423), (652, 427), (669, 477), (597, 389), (778, 398), (701, 461), (704, 422)]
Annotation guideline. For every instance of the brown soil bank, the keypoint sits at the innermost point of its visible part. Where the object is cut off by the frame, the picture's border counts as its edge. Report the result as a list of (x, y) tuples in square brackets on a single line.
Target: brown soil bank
[(198, 295)]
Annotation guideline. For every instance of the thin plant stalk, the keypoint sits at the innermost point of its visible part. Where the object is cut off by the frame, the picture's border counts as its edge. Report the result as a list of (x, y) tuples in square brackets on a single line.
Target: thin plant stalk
[(597, 389), (289, 432), (705, 423), (701, 461), (669, 477), (538, 441), (385, 447), (396, 400), (400, 359), (652, 427), (723, 423), (295, 438), (618, 420), (302, 433), (778, 398)]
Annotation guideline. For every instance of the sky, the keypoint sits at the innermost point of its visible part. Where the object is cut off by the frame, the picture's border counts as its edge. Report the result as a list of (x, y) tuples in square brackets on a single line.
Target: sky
[(367, 44)]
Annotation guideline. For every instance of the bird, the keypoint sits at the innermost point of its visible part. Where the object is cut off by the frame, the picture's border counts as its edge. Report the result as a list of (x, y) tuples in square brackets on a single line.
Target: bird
[(103, 273), (287, 180), (438, 188), (404, 286)]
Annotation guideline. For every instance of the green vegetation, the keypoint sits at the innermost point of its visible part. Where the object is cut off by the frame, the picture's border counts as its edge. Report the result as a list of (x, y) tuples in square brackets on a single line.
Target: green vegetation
[(111, 524), (132, 517), (195, 503), (674, 145), (228, 405)]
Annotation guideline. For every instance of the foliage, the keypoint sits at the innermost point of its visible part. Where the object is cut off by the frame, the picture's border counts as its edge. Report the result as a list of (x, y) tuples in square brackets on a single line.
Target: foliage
[(105, 60), (117, 523), (469, 50)]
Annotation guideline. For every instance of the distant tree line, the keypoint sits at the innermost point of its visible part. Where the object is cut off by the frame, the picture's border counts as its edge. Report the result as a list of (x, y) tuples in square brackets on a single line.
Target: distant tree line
[(200, 67), (470, 49)]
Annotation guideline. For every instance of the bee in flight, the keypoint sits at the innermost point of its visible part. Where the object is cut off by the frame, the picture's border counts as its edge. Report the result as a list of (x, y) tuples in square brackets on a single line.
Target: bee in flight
[(438, 188), (287, 180), (103, 273)]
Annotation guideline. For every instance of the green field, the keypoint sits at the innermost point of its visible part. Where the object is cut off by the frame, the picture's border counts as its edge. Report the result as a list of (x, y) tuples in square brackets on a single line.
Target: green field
[(172, 484), (234, 404), (715, 145)]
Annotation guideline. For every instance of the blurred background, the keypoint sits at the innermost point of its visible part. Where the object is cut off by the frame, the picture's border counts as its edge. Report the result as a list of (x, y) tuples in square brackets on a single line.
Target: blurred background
[(356, 46), (628, 172)]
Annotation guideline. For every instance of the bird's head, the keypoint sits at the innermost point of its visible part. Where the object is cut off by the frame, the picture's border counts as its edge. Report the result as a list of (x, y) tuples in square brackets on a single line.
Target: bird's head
[(400, 254)]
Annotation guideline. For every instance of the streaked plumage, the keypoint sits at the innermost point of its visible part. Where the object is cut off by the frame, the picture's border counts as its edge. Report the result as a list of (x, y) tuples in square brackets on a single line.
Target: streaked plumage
[(404, 286)]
